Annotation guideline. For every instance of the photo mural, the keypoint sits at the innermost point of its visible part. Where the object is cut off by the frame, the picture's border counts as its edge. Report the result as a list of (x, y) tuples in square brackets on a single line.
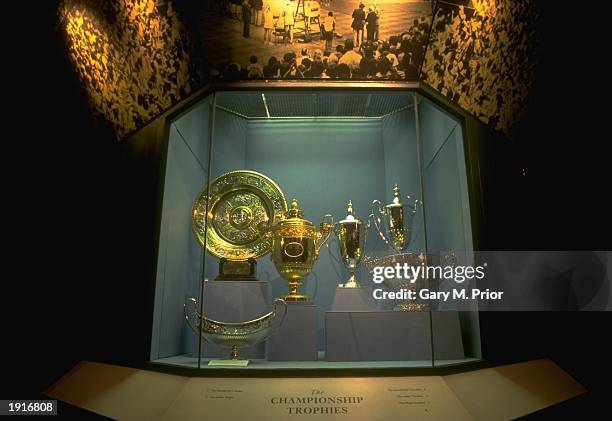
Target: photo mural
[(297, 39), (132, 57), (136, 58), (484, 57)]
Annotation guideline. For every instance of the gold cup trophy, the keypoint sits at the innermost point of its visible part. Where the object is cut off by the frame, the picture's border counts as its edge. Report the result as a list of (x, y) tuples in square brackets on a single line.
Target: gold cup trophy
[(294, 246), (351, 234)]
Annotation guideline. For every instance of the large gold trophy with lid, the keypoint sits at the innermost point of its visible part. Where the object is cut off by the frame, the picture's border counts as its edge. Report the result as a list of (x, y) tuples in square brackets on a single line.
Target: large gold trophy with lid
[(294, 246)]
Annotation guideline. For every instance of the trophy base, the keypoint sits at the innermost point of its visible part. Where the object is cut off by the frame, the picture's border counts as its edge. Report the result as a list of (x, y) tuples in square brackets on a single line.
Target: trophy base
[(294, 291), (233, 363), (410, 307), (351, 283), (295, 297), (236, 270)]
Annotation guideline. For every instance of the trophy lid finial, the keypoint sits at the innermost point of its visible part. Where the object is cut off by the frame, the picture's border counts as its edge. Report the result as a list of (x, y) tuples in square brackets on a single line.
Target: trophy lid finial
[(350, 213), (396, 194), (294, 211)]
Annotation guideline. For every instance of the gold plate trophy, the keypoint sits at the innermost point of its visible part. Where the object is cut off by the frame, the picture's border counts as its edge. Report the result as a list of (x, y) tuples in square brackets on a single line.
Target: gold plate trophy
[(394, 225), (294, 246), (225, 218), (351, 235)]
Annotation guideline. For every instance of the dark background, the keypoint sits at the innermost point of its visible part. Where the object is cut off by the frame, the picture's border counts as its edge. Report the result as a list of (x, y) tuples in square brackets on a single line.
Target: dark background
[(82, 294)]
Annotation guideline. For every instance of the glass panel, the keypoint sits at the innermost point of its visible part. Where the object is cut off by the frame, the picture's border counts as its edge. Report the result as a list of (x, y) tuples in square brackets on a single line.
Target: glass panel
[(455, 327), (180, 257)]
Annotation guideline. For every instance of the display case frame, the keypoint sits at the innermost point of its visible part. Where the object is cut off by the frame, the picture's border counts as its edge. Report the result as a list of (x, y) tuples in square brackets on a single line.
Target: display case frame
[(151, 143)]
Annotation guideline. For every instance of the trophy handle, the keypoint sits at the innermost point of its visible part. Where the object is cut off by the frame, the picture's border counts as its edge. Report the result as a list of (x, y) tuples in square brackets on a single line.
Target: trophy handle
[(415, 204), (335, 259), (365, 241), (188, 303), (326, 230), (336, 231), (377, 222), (450, 258), (278, 325)]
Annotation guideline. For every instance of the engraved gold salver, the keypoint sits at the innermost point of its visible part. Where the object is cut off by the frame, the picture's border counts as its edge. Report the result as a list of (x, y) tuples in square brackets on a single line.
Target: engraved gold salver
[(227, 212)]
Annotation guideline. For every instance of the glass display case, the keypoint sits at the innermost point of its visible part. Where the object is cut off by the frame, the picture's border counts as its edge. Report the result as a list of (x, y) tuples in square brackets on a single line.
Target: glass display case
[(237, 286)]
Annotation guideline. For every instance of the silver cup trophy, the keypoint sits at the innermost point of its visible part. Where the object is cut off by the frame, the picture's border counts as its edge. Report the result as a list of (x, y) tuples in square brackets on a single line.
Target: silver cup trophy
[(351, 234), (394, 221)]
